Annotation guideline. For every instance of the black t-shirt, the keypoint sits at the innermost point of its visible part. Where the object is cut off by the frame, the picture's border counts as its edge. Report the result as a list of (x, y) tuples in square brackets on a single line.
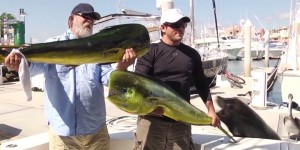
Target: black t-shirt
[(177, 66)]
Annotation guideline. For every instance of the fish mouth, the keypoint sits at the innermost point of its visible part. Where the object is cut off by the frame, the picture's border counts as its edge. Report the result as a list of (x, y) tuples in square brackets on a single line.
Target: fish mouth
[(117, 99)]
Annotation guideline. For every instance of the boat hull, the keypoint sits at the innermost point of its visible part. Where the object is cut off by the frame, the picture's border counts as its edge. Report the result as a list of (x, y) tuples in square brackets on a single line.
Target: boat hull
[(213, 66), (233, 53), (255, 54), (274, 53), (289, 85)]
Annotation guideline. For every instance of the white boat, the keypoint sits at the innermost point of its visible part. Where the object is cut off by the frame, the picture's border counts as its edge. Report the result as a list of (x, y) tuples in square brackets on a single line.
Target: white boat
[(260, 44), (290, 61), (257, 49), (214, 59), (233, 46), (276, 49), (228, 44)]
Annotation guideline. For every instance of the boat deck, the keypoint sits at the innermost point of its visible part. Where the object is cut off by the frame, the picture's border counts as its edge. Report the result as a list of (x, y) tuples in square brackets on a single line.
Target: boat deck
[(23, 126)]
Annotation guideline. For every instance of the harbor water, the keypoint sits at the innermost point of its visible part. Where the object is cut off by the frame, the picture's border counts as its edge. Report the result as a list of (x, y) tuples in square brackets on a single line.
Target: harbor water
[(237, 67)]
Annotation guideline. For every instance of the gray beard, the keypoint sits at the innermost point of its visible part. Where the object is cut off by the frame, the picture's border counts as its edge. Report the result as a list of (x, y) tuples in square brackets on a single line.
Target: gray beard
[(84, 32)]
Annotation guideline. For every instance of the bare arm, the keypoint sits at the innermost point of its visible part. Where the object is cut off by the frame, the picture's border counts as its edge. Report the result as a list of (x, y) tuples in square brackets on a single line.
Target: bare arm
[(212, 113)]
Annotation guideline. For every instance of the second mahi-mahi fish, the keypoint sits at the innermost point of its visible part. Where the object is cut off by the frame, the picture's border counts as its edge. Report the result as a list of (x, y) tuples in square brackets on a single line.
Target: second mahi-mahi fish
[(140, 95)]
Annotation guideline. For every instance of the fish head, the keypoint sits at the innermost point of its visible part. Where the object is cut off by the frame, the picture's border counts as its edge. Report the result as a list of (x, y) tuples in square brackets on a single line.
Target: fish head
[(129, 93)]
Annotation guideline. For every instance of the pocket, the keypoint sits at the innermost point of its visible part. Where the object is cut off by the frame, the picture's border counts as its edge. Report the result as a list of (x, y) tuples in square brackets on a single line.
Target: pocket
[(63, 72), (89, 72), (58, 71), (138, 144)]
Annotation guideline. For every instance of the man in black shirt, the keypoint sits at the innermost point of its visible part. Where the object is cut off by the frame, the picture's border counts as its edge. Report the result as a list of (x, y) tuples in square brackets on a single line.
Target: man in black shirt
[(178, 65)]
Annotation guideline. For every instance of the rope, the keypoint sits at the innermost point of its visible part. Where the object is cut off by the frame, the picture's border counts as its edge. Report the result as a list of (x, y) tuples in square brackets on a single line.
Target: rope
[(127, 123), (233, 79)]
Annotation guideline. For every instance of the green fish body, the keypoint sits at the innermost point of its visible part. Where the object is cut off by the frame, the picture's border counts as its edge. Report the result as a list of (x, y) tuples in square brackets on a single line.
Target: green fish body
[(140, 95), (106, 46)]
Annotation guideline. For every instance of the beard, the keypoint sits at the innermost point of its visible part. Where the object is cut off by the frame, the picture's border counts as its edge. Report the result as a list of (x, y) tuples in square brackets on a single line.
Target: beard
[(84, 30)]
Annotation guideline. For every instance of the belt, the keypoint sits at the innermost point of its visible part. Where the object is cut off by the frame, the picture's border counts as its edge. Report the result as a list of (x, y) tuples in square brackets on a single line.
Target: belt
[(161, 118)]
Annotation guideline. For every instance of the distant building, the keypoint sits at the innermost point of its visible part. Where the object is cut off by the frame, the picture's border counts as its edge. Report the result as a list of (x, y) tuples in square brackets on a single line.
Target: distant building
[(280, 34), (276, 35), (234, 30)]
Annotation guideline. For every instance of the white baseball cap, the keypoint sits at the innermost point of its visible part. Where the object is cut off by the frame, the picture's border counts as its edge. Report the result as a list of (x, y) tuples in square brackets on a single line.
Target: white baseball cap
[(172, 16)]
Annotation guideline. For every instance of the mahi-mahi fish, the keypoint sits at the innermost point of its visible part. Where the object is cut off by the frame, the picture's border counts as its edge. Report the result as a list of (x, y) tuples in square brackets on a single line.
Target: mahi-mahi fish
[(140, 95), (106, 46)]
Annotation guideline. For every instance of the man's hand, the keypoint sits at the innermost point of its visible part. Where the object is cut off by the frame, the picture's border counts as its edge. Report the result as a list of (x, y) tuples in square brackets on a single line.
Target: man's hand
[(215, 119), (212, 113), (13, 60), (128, 59)]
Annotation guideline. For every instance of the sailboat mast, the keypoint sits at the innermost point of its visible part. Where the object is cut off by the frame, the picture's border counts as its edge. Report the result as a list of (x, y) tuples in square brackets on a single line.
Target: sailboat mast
[(192, 21), (216, 22)]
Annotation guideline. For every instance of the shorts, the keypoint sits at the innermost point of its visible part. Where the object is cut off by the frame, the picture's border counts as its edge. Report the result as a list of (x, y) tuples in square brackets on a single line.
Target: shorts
[(96, 141), (154, 133)]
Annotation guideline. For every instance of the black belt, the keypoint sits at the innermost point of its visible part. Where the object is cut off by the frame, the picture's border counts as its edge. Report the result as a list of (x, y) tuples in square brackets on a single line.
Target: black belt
[(161, 118)]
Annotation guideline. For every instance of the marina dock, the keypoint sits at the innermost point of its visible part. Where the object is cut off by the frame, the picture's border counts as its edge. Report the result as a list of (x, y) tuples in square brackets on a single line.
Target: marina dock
[(23, 125)]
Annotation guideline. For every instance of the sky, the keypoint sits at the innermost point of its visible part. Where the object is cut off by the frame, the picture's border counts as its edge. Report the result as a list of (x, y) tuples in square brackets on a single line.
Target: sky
[(48, 18)]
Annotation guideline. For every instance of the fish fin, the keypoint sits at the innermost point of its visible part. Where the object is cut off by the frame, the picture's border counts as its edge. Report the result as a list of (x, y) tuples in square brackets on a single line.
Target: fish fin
[(106, 63), (3, 54), (227, 134), (155, 100), (112, 51)]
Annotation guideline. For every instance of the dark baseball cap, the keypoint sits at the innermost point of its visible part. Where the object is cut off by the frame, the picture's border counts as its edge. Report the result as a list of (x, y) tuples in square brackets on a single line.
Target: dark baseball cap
[(86, 9)]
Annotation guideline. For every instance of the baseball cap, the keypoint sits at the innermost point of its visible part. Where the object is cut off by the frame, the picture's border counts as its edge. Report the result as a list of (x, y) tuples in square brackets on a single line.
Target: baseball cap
[(86, 9), (172, 16)]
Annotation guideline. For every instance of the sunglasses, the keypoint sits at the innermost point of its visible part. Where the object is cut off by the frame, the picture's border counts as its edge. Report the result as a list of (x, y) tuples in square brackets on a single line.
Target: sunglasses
[(86, 16), (176, 25)]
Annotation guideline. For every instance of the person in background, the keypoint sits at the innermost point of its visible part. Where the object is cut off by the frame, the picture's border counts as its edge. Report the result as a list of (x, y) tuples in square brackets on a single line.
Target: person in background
[(177, 65), (74, 95)]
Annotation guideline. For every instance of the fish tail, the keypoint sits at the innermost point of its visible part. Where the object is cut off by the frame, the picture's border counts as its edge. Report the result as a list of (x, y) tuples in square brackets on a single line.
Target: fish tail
[(225, 132), (3, 54)]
